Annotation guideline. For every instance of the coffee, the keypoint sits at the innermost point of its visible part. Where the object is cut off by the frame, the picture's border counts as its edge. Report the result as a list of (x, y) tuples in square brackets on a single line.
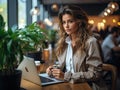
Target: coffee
[(37, 63)]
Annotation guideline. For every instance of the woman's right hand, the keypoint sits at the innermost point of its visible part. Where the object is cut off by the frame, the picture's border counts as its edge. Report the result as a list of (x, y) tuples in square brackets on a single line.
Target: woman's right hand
[(49, 70)]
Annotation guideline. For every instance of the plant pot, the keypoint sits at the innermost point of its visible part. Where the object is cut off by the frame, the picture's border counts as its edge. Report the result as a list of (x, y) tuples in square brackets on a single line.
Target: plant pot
[(10, 82)]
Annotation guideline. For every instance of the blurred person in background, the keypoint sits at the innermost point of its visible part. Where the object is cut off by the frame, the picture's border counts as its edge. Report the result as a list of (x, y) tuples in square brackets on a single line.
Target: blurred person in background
[(118, 39), (110, 45)]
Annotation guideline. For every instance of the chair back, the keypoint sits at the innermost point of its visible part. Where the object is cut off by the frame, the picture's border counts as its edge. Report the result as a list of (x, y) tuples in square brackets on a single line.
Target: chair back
[(113, 70)]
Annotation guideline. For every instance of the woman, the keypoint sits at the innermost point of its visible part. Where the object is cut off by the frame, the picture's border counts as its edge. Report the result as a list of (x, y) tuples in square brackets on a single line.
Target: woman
[(77, 50)]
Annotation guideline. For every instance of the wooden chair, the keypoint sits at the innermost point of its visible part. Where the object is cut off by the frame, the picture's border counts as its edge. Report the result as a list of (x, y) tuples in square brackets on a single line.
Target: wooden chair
[(113, 70), (108, 67)]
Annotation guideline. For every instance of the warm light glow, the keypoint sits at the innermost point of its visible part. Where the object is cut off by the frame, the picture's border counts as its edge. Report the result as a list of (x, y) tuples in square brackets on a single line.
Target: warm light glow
[(105, 13), (55, 7), (114, 21), (113, 5), (118, 23), (91, 21), (101, 25), (108, 10), (104, 21)]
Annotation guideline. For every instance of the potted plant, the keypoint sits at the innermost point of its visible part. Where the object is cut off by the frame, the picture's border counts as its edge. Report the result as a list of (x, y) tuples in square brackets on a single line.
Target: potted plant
[(14, 43), (52, 35)]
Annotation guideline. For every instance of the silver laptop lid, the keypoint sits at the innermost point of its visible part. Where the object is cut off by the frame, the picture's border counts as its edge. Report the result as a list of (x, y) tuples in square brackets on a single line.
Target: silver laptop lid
[(29, 70)]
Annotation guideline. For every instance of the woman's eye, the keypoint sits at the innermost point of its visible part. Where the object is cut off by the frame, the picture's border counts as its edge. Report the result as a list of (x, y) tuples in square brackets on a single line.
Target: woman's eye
[(71, 21), (63, 22)]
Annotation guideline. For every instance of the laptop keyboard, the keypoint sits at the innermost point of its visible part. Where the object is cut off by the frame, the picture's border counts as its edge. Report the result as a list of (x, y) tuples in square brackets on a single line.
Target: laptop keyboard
[(44, 79)]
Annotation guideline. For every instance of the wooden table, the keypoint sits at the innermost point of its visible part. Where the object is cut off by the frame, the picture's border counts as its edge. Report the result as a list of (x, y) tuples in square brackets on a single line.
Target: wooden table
[(62, 86)]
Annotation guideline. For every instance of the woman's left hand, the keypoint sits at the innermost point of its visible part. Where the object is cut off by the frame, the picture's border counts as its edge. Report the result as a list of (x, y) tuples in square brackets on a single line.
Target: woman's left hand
[(57, 73)]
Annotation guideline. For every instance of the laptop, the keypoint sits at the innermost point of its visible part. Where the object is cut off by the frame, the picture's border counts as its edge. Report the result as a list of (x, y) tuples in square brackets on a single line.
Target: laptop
[(29, 72)]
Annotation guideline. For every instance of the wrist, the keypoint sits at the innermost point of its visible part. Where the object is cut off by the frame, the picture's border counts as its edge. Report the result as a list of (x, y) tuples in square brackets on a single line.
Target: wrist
[(67, 76)]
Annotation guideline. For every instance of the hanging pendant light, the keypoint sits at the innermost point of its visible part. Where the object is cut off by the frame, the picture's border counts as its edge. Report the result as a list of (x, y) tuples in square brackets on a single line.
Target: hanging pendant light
[(109, 10), (55, 7), (35, 11), (113, 5), (48, 22)]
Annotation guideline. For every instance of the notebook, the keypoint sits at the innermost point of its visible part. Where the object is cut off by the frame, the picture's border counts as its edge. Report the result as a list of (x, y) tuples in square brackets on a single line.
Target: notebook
[(29, 72)]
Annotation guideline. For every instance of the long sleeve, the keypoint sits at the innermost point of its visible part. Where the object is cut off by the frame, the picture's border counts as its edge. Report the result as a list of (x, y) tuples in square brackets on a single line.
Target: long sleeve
[(90, 67)]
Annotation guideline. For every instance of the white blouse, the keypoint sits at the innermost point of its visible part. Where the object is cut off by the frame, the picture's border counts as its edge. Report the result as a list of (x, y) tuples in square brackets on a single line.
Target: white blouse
[(69, 59)]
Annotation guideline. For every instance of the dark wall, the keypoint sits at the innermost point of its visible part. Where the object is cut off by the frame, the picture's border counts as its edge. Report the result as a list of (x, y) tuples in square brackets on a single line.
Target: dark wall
[(91, 9)]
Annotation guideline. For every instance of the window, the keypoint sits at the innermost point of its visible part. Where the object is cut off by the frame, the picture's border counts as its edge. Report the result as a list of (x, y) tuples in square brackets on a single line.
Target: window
[(21, 13), (3, 11), (34, 4)]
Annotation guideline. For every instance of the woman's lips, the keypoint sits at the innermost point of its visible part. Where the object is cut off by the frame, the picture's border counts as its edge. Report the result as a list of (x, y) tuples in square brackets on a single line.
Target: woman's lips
[(68, 30)]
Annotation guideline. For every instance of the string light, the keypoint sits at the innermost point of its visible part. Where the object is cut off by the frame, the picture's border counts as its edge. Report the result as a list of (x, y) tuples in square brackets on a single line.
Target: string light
[(111, 8), (113, 5)]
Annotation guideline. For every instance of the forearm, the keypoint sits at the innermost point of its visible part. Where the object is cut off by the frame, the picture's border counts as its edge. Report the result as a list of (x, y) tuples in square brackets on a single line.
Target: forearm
[(82, 76)]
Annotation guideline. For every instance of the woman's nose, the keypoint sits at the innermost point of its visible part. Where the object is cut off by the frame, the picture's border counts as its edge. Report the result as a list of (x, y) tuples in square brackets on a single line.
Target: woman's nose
[(66, 25)]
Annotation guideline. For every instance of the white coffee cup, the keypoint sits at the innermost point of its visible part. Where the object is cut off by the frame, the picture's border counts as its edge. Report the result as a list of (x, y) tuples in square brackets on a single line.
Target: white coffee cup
[(37, 63)]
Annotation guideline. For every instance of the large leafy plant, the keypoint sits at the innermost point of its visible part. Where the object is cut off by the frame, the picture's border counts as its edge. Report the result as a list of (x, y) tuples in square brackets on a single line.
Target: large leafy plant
[(14, 43)]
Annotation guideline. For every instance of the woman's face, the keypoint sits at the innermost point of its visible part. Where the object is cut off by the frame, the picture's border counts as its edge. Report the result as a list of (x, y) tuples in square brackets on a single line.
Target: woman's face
[(70, 25)]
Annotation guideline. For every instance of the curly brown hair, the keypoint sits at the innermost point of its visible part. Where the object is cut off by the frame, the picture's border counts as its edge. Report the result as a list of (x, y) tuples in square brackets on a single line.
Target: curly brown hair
[(83, 33)]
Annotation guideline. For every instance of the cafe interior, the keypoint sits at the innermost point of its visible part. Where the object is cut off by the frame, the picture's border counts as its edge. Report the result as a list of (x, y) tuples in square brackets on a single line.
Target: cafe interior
[(102, 15)]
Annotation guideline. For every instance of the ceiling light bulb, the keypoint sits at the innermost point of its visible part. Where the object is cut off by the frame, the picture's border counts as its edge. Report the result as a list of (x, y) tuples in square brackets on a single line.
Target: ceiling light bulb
[(35, 11), (109, 10), (113, 5), (55, 7), (105, 13)]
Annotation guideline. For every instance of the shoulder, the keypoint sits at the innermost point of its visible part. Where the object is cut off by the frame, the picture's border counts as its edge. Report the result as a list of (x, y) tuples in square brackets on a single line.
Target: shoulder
[(91, 39), (107, 40), (92, 42)]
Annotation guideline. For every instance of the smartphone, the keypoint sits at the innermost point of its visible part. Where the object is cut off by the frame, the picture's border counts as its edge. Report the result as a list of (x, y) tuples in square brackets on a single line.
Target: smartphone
[(56, 67)]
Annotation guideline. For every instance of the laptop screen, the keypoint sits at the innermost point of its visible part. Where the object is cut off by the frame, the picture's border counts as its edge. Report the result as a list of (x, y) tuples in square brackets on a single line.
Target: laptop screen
[(44, 79)]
